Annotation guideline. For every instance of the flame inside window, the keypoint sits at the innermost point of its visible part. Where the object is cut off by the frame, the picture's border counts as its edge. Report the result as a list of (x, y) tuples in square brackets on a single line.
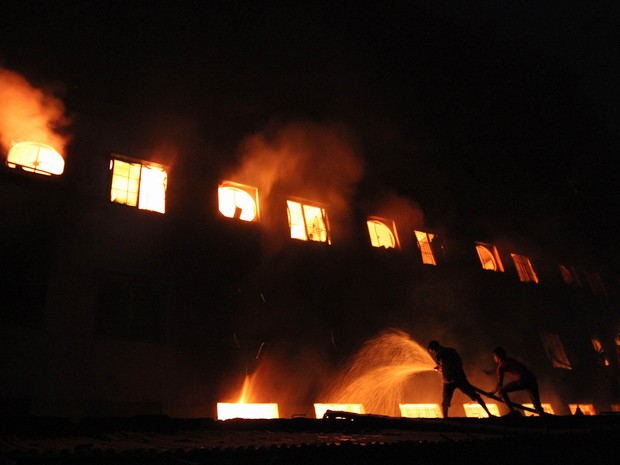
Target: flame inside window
[(546, 408), (237, 201), (138, 185), (424, 243), (475, 410), (226, 411), (320, 409), (586, 409), (36, 158), (307, 222), (382, 234), (524, 268), (420, 410), (489, 258), (600, 352)]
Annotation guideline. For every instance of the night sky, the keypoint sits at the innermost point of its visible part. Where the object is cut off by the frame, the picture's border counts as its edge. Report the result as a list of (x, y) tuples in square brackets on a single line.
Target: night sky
[(506, 114)]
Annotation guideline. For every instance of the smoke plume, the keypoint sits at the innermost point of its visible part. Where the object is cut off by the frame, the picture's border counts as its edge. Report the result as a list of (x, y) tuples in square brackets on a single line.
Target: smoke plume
[(28, 113), (302, 159)]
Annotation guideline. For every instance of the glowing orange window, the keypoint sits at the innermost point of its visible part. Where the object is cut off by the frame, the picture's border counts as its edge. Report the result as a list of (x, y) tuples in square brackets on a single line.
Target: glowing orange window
[(308, 222), (238, 201), (524, 268), (382, 233), (600, 352), (489, 258), (321, 409), (476, 410), (138, 185), (424, 243), (226, 411), (420, 410), (547, 408), (585, 409), (36, 158)]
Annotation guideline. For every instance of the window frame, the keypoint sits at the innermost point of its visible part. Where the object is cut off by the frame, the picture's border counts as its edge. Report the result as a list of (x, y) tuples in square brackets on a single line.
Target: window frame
[(390, 225), (143, 164), (314, 205)]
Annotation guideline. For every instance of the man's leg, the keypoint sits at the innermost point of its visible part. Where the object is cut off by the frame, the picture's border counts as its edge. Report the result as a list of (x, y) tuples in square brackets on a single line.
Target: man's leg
[(504, 390), (534, 394), (448, 391), (470, 391)]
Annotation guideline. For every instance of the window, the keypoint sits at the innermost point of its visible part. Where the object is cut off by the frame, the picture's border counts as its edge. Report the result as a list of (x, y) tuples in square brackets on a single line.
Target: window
[(524, 268), (597, 286), (138, 184), (601, 356), (238, 201), (489, 258), (585, 409), (420, 410), (570, 275), (308, 222), (555, 351), (130, 309), (36, 158), (382, 233), (226, 411), (425, 244), (475, 410), (547, 408), (321, 409)]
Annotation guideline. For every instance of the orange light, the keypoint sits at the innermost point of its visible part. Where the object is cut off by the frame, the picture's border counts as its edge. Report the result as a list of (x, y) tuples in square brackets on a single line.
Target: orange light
[(36, 158), (489, 258), (476, 410), (138, 185), (586, 409), (226, 411), (381, 234), (424, 243), (420, 410), (320, 409), (546, 408), (237, 201), (307, 222)]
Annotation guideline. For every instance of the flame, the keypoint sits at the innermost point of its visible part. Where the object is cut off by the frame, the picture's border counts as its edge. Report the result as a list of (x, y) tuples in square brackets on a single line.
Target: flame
[(29, 114), (237, 201), (245, 409)]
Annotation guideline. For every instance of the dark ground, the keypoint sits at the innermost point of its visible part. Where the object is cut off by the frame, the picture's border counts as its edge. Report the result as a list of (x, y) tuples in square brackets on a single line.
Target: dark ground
[(359, 439)]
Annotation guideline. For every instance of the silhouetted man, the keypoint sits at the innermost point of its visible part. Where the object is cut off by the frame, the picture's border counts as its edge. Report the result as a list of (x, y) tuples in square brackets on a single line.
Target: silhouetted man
[(450, 365), (524, 380)]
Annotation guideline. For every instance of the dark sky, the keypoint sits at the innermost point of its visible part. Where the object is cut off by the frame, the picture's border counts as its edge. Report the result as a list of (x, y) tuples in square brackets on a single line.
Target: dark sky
[(500, 111)]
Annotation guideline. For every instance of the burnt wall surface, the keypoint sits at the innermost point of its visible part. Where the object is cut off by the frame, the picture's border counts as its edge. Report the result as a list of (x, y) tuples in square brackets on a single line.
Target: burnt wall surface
[(110, 309)]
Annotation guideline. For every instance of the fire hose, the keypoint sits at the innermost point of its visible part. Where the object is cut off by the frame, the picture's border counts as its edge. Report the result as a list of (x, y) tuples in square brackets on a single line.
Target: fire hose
[(499, 399)]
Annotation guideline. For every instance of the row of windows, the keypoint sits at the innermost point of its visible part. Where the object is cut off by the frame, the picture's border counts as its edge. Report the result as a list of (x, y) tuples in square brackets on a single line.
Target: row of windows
[(143, 185)]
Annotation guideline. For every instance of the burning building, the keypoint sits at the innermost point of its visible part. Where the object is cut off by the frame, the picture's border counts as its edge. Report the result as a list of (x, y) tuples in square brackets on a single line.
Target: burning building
[(130, 289)]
